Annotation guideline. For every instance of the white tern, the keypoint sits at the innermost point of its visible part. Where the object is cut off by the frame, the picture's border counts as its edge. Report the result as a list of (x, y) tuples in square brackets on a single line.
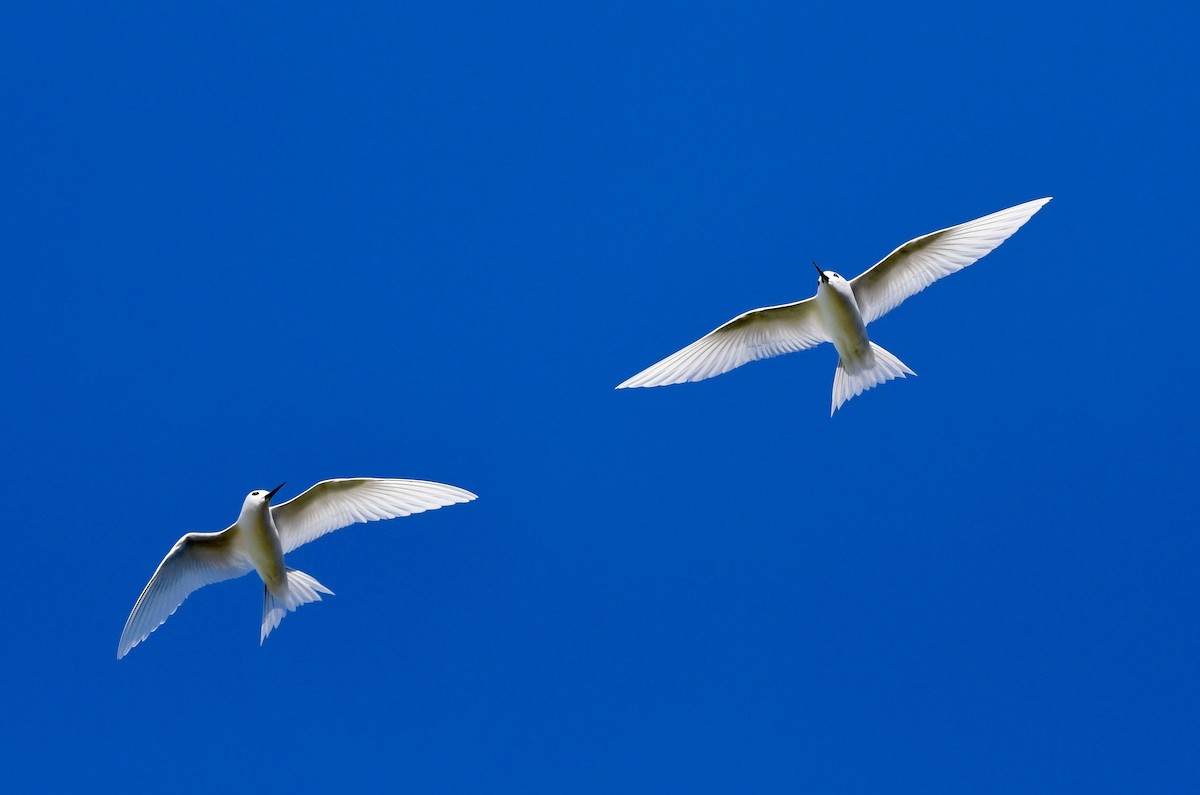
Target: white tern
[(263, 534), (840, 312)]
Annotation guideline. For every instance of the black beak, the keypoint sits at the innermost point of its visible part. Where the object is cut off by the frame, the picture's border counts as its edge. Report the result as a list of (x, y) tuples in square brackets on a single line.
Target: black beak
[(271, 493), (824, 278)]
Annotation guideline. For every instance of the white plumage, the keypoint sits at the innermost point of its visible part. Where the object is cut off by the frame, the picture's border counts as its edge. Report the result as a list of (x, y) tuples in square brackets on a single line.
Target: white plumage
[(840, 312), (261, 536)]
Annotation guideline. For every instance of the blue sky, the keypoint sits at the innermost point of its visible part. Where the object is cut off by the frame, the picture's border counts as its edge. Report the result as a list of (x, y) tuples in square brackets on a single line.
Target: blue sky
[(294, 242)]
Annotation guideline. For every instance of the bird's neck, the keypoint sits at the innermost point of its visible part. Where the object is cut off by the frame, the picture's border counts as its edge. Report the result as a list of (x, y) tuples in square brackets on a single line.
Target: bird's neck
[(256, 518)]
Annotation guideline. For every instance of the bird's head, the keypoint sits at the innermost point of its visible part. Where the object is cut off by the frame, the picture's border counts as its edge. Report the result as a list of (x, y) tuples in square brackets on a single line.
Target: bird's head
[(259, 497), (825, 277)]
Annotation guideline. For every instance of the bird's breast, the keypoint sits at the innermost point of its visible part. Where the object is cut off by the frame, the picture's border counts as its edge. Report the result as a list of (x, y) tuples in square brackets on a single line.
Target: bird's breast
[(843, 321), (260, 542)]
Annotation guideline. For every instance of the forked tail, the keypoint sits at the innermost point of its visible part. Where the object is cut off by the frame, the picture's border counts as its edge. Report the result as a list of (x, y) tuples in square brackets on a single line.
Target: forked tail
[(846, 384), (301, 590)]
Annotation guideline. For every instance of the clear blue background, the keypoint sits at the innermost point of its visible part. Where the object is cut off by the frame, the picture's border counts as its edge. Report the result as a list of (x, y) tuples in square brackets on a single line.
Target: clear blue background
[(295, 241)]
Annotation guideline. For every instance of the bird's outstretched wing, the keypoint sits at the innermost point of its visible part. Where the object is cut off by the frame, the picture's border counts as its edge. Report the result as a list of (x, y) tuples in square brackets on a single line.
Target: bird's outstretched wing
[(333, 504), (757, 334), (196, 560), (919, 263)]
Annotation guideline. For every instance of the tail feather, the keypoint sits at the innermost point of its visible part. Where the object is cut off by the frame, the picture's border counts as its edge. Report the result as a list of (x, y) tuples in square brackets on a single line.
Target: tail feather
[(301, 589), (847, 385)]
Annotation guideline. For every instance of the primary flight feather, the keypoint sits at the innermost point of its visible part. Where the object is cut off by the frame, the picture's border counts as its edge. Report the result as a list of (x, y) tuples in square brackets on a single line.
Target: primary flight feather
[(261, 536), (840, 312)]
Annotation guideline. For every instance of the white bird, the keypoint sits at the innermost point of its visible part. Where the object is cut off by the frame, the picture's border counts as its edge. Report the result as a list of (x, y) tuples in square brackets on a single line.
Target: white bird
[(263, 534), (840, 312)]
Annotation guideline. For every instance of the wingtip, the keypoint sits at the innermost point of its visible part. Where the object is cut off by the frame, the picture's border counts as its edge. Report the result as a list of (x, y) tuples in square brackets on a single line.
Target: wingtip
[(638, 382), (642, 379), (1032, 208)]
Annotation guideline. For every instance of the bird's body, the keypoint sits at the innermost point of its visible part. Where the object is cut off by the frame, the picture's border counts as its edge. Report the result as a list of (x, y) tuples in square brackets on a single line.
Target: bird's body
[(261, 536), (861, 363), (841, 311), (255, 535)]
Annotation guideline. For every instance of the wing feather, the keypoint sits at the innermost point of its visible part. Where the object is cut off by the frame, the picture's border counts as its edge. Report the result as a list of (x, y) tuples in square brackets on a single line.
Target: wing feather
[(333, 504), (196, 560), (757, 334), (919, 263)]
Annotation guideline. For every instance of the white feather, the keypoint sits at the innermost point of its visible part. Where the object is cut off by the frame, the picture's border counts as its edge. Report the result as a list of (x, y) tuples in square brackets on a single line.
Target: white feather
[(260, 537), (333, 504), (841, 311), (757, 334), (196, 560), (920, 262)]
